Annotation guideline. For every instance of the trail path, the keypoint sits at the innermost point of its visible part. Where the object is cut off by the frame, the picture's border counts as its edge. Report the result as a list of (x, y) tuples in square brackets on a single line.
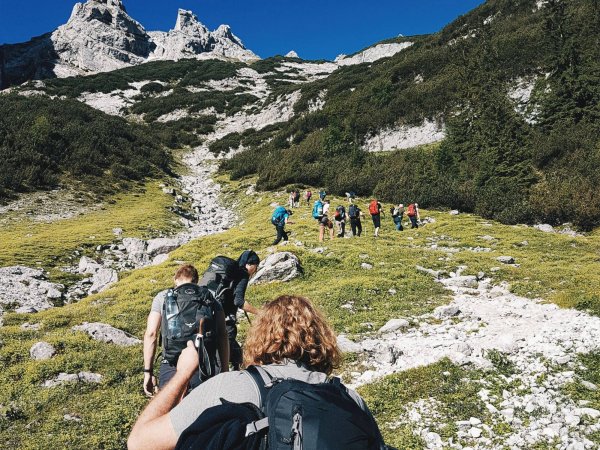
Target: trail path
[(542, 342)]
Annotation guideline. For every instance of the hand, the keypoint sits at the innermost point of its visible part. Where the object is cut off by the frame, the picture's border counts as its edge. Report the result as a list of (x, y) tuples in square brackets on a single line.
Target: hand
[(149, 384), (188, 361)]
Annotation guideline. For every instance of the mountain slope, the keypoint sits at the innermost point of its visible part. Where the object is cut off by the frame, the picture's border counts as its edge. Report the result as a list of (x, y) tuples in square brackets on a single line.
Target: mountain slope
[(513, 86)]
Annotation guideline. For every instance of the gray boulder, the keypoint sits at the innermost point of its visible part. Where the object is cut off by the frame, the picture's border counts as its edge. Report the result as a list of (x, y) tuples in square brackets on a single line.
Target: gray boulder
[(445, 311), (546, 228), (103, 279), (281, 266), (366, 266), (159, 246), (106, 333), (347, 346), (465, 281), (88, 265), (506, 259), (433, 273), (159, 259), (81, 377), (393, 325), (28, 289), (136, 250), (41, 351)]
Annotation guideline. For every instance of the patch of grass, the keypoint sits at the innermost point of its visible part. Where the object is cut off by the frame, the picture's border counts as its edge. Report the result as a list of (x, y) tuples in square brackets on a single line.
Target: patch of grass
[(443, 382), (141, 213)]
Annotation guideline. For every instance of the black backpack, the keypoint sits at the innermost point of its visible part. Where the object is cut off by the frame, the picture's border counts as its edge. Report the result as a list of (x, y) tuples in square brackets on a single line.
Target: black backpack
[(353, 211), (195, 305), (294, 415), (220, 279)]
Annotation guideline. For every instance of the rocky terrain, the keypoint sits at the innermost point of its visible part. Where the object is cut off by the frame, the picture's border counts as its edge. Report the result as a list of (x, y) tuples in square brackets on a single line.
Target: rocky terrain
[(539, 340)]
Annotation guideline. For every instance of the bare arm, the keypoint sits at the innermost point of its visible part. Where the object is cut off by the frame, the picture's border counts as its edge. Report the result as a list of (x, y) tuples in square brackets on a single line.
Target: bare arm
[(249, 308), (150, 339), (153, 429), (223, 341)]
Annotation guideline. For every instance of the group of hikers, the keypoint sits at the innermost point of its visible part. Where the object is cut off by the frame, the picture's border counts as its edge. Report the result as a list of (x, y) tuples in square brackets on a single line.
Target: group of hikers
[(284, 397), (335, 222)]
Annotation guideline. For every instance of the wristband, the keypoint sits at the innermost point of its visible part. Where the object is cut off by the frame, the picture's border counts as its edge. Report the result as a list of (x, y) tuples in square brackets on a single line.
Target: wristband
[(147, 370)]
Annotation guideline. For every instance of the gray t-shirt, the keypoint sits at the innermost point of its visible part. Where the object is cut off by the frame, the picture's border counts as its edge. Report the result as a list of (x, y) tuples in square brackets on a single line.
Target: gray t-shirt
[(158, 300), (239, 387)]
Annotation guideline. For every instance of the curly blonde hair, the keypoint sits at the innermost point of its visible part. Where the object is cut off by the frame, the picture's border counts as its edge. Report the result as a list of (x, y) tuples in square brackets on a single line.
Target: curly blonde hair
[(290, 327)]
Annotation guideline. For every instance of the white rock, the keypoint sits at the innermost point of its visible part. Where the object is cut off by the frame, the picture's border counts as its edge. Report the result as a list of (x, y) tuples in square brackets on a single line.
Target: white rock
[(506, 259), (281, 266), (81, 377), (348, 346), (106, 333), (394, 325), (454, 212), (159, 246), (41, 351), (588, 385), (544, 227), (446, 311), (475, 432), (103, 279), (366, 266), (88, 265), (159, 259)]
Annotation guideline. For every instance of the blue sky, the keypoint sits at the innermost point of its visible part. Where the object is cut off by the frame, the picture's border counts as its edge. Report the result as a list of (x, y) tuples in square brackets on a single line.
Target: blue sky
[(314, 28)]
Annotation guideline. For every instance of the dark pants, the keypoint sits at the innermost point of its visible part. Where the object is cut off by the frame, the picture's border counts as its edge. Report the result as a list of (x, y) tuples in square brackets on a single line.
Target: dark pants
[(413, 221), (398, 223), (166, 371), (376, 220), (356, 226), (341, 227), (281, 234), (235, 350)]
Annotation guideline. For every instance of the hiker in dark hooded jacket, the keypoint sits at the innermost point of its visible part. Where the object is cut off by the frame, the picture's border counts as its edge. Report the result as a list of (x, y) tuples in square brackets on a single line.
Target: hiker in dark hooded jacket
[(288, 339), (247, 266)]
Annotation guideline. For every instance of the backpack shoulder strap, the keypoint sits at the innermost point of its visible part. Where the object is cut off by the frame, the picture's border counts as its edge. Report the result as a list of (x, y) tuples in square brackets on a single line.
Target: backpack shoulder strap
[(262, 380)]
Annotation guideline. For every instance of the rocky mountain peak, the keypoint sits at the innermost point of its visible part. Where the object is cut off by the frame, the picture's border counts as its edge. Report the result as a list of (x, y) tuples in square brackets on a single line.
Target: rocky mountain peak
[(187, 22)]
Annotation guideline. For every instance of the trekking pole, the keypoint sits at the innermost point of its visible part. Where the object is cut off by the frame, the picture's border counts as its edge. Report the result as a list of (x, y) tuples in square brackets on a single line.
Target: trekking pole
[(248, 317)]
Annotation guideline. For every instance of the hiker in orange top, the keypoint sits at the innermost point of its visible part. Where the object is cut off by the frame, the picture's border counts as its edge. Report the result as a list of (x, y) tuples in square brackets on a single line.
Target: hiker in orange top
[(413, 214), (375, 211)]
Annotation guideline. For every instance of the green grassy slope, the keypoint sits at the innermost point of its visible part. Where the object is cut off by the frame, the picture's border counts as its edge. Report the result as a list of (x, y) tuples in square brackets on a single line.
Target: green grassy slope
[(31, 415)]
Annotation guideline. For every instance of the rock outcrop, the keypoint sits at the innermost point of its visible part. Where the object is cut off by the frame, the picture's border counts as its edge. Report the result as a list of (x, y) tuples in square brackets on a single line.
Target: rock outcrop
[(282, 266), (106, 333), (372, 54), (101, 36), (81, 377), (41, 351), (191, 39), (27, 290)]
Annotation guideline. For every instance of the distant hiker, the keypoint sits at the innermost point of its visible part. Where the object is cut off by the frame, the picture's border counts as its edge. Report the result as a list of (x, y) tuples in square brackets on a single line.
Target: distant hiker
[(325, 223), (397, 213), (326, 206), (322, 194), (178, 313), (340, 220), (279, 219), (296, 198), (354, 213), (291, 199), (308, 196), (350, 196), (227, 279), (290, 353), (317, 212), (413, 214), (375, 211)]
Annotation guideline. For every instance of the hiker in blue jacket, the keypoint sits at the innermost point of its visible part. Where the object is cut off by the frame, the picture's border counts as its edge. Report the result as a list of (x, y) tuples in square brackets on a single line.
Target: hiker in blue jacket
[(279, 219)]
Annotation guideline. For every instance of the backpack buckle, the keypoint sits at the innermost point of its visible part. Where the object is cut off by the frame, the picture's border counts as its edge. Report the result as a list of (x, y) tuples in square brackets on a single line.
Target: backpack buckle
[(256, 426)]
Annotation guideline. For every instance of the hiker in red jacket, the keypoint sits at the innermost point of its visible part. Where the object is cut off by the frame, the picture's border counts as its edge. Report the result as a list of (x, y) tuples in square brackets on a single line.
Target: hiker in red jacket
[(375, 211)]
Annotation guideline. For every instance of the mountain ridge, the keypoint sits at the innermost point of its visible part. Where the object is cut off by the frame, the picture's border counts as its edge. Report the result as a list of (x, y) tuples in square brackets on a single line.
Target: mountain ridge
[(100, 36)]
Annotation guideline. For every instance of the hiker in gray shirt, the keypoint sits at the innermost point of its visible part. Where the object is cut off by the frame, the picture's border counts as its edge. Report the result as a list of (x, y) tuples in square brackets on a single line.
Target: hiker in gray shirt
[(307, 351)]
